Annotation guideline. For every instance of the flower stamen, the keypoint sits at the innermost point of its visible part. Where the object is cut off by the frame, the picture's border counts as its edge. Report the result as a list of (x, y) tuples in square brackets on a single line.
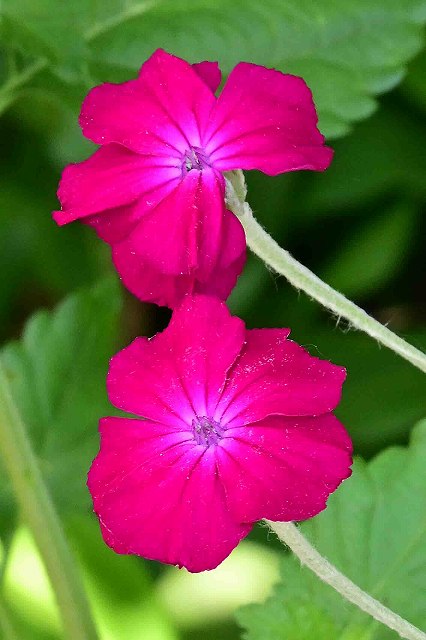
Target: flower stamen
[(206, 430), (195, 158)]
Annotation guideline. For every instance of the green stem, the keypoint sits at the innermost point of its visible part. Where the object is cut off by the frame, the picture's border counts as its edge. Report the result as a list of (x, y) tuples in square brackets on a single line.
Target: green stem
[(39, 514), (288, 533), (261, 243)]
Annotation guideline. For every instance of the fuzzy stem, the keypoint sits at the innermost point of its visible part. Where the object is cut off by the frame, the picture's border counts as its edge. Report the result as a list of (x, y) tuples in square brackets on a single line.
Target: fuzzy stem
[(290, 535), (261, 243), (39, 514)]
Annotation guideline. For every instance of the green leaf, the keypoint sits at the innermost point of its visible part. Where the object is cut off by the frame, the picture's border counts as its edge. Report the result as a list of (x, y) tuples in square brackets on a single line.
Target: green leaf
[(36, 28), (414, 85), (365, 262), (373, 530), (381, 157), (334, 46), (57, 376), (299, 620), (348, 52)]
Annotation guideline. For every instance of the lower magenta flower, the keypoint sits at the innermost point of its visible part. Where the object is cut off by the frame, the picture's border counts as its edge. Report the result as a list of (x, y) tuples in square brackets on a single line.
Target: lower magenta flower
[(155, 189), (235, 426)]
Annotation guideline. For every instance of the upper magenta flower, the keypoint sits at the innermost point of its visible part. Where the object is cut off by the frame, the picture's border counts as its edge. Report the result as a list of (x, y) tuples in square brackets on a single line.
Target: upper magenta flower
[(236, 426), (155, 188)]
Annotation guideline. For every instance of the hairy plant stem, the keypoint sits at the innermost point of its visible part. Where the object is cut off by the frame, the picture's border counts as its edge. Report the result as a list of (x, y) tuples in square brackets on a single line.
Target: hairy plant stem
[(290, 535), (280, 260), (40, 516)]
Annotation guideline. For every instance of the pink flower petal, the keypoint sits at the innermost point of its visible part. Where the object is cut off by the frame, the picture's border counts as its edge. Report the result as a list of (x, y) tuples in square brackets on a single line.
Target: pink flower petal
[(274, 375), (149, 284), (184, 485), (181, 93), (179, 373), (112, 177), (114, 225), (231, 257), (146, 282), (163, 505), (221, 237), (185, 231), (286, 467), (166, 239), (134, 442), (128, 114), (210, 73), (265, 120), (158, 113), (210, 202), (205, 349), (141, 380)]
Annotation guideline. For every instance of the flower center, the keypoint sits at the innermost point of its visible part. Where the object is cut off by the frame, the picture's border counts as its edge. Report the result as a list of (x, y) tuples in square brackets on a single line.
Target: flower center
[(195, 158), (206, 430)]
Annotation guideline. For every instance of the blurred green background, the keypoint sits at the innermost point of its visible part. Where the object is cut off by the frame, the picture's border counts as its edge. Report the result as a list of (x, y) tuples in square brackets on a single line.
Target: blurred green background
[(360, 226)]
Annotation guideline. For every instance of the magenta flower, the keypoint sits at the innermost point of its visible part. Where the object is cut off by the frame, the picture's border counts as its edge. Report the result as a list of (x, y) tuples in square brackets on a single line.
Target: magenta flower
[(237, 426), (155, 188)]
